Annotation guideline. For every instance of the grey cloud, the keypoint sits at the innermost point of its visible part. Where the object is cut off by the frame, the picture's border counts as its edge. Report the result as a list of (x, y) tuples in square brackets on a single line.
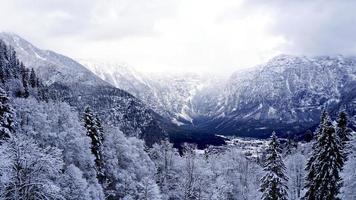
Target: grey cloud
[(311, 27)]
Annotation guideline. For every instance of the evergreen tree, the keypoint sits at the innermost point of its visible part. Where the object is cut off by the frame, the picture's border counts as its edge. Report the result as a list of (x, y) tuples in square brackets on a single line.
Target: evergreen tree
[(25, 78), (310, 164), (33, 78), (273, 184), (343, 132), (325, 164), (6, 116), (95, 132), (2, 73), (291, 145)]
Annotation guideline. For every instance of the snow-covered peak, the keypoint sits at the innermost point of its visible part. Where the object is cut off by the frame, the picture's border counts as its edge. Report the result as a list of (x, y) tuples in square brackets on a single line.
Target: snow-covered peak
[(113, 72)]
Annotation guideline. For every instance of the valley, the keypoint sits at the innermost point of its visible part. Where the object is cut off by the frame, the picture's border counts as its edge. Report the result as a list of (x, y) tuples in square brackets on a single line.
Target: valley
[(286, 95)]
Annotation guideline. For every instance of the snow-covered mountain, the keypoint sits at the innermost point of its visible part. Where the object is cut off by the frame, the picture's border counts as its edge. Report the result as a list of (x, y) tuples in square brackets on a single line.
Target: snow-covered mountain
[(285, 94), (69, 81), (168, 94)]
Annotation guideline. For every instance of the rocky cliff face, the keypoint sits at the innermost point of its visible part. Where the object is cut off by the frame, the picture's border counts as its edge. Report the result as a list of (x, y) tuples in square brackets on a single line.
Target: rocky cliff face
[(286, 94)]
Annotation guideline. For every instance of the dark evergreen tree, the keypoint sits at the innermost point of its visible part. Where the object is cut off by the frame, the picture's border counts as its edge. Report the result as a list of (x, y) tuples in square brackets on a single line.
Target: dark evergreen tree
[(2, 73), (273, 185), (6, 116), (25, 78), (325, 164), (95, 132), (33, 79), (291, 145)]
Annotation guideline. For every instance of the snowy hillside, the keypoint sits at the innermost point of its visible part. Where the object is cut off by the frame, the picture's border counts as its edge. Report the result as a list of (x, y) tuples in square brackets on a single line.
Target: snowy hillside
[(67, 80)]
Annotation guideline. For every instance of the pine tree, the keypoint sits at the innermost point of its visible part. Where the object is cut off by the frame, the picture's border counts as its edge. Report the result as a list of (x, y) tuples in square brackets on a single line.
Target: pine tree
[(273, 184), (325, 164), (25, 78), (291, 145), (33, 78), (6, 116), (343, 132), (95, 132), (310, 164), (2, 73)]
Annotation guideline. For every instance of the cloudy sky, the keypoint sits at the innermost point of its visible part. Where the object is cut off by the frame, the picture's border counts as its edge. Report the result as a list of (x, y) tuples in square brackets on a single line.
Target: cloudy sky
[(184, 35)]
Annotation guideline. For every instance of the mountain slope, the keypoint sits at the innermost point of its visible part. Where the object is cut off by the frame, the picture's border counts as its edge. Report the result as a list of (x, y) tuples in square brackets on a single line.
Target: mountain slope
[(69, 81), (50, 66)]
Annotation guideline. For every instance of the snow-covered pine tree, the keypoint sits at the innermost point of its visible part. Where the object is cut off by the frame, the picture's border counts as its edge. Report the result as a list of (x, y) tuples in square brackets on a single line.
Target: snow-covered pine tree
[(6, 116), (273, 184), (95, 132), (310, 168), (343, 132), (325, 164)]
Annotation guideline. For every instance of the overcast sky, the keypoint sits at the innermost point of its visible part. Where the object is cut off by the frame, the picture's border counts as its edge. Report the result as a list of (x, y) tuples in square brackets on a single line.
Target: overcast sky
[(188, 35)]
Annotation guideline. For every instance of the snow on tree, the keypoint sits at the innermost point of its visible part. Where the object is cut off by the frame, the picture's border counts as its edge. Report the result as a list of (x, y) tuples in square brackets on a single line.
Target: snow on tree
[(189, 179), (349, 172), (127, 167), (95, 133), (233, 176), (27, 171), (273, 184), (6, 116), (148, 189), (295, 165), (166, 159), (325, 164), (56, 124), (343, 133), (74, 185)]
